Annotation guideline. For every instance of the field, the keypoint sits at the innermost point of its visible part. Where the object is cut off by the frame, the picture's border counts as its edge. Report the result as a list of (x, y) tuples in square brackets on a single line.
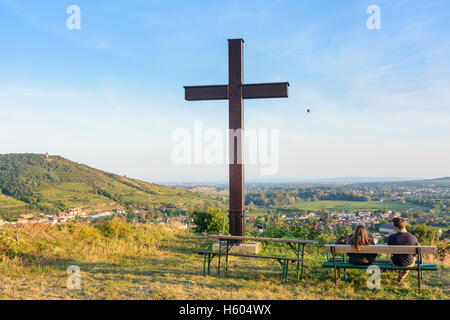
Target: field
[(123, 261), (79, 196), (344, 206), (12, 207), (8, 202), (82, 196)]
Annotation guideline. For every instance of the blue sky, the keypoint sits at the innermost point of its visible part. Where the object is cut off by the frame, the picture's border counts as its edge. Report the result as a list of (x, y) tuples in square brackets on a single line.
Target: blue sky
[(111, 94)]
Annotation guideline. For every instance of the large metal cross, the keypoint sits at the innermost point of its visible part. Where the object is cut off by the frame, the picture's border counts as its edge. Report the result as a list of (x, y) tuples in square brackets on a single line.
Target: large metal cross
[(235, 92)]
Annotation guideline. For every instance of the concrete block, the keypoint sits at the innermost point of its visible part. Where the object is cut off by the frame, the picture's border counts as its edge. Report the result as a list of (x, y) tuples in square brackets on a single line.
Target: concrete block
[(243, 248)]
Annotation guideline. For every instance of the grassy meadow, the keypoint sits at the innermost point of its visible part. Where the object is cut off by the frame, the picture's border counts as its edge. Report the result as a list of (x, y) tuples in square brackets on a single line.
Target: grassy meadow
[(13, 206), (124, 261), (8, 202)]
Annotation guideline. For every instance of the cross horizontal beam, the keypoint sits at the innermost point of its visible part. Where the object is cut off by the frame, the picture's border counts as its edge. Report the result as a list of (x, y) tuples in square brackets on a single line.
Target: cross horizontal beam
[(265, 90), (249, 91), (197, 93)]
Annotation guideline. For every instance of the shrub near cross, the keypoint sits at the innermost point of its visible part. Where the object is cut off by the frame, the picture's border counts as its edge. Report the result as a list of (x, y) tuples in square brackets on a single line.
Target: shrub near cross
[(209, 221)]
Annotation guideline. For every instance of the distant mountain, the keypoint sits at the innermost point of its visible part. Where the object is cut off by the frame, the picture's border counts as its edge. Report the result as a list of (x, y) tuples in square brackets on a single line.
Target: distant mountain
[(36, 183), (340, 180), (353, 180), (431, 183)]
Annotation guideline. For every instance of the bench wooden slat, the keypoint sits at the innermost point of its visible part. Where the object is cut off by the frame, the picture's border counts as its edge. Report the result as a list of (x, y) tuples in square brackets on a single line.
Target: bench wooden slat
[(378, 261), (220, 237), (245, 255), (387, 266), (345, 248)]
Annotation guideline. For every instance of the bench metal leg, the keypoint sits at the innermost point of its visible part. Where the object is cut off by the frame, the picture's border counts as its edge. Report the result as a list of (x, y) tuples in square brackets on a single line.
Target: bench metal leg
[(218, 263), (418, 279), (204, 264), (230, 245), (209, 262), (303, 257), (284, 266), (226, 258), (299, 253), (283, 274), (207, 257), (298, 262), (419, 272), (286, 272), (334, 263)]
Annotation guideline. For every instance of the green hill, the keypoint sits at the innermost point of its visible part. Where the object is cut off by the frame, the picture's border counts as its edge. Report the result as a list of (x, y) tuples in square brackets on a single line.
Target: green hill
[(35, 183)]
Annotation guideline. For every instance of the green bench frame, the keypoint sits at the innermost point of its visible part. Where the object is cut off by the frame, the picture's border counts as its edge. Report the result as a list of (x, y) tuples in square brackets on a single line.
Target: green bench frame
[(384, 264), (208, 256), (296, 245)]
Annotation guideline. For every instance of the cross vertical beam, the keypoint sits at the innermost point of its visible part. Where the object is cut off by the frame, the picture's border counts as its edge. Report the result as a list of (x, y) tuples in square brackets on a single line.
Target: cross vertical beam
[(236, 122)]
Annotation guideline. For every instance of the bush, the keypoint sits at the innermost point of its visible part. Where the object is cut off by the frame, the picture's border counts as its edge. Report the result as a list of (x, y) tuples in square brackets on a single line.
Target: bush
[(210, 221), (305, 229), (89, 233), (442, 252), (425, 234), (116, 228)]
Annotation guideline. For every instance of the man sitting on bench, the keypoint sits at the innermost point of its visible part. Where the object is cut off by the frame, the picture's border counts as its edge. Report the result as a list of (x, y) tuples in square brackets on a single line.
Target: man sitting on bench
[(361, 238), (402, 238)]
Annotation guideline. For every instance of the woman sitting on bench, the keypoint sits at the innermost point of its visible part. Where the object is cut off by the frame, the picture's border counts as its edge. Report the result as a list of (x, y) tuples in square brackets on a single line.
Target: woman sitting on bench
[(361, 237)]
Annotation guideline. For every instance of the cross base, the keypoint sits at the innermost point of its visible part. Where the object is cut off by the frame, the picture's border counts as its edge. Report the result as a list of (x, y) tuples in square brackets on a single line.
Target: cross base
[(242, 248)]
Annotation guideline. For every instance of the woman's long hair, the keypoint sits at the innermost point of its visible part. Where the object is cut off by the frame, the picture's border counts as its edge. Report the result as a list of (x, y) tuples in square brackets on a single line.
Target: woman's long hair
[(360, 238)]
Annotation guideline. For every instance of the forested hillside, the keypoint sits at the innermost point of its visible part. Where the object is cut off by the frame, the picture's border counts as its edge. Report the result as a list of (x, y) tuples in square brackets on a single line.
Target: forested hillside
[(51, 184)]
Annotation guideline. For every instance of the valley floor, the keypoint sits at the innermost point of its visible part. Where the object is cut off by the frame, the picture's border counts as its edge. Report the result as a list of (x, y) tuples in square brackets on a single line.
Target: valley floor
[(121, 261)]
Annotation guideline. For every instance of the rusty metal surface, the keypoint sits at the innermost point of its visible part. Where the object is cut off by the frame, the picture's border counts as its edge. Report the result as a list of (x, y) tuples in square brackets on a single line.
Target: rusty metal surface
[(266, 90), (235, 92), (197, 93), (249, 91), (236, 121)]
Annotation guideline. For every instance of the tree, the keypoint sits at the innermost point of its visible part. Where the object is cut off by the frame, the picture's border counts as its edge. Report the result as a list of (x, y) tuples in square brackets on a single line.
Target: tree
[(425, 234), (210, 220)]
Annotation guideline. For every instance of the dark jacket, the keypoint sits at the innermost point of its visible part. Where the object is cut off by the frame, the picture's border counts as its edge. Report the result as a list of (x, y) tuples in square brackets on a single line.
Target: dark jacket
[(402, 239), (361, 258)]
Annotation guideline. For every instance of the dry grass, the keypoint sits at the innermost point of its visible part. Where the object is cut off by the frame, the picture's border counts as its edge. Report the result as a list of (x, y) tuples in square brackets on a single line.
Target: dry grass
[(121, 261)]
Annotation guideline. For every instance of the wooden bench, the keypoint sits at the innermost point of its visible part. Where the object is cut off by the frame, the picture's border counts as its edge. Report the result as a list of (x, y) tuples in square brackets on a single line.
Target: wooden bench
[(340, 263), (209, 255), (296, 245)]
